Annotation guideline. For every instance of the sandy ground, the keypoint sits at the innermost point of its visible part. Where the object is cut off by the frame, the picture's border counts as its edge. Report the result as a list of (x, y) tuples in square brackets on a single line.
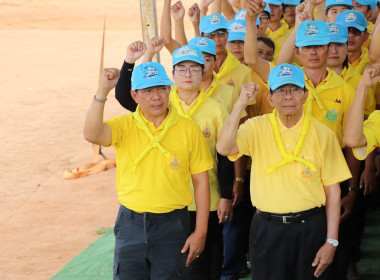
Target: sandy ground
[(50, 56)]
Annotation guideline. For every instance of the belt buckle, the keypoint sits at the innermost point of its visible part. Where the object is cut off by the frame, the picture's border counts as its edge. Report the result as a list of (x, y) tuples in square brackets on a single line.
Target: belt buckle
[(284, 219)]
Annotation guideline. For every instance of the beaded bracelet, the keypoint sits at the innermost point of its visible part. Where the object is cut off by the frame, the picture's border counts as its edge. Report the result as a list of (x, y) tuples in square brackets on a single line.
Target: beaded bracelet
[(99, 99)]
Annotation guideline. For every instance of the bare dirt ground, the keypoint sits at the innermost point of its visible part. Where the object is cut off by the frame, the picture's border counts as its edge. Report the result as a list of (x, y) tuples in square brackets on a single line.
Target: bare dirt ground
[(50, 56)]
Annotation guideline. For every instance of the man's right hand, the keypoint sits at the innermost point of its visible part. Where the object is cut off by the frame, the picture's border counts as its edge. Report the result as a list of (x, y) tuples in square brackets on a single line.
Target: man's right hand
[(248, 94), (135, 50)]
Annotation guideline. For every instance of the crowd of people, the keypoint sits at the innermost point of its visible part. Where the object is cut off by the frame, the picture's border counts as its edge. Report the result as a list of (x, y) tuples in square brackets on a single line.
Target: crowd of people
[(263, 150)]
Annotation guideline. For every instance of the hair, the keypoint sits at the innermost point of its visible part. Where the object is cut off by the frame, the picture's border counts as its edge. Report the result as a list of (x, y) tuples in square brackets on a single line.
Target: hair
[(267, 41), (345, 62)]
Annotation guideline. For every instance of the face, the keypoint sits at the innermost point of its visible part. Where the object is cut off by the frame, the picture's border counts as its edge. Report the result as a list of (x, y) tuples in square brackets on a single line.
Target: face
[(334, 11), (366, 10), (237, 49), (288, 99), (337, 54), (313, 57), (290, 15), (356, 39), (264, 51), (276, 13), (153, 101), (220, 37), (209, 65), (264, 24), (187, 75)]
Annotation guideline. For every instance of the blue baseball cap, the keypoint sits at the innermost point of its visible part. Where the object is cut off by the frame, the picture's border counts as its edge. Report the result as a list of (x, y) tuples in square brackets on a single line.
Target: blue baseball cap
[(212, 22), (204, 44), (312, 33), (285, 74), (370, 3), (330, 3), (352, 18), (274, 2), (338, 33), (236, 30), (241, 14), (267, 9), (188, 53), (148, 75), (291, 2)]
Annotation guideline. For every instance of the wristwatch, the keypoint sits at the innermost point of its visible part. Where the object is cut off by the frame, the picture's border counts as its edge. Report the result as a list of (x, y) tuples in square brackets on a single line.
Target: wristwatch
[(333, 242), (241, 180)]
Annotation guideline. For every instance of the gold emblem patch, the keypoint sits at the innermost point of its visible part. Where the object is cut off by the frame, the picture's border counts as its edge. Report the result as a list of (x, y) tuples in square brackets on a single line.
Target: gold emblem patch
[(174, 163)]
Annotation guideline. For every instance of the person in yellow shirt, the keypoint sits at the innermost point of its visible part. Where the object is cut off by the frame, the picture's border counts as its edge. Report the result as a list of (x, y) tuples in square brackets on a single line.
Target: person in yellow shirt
[(364, 138), (228, 68), (297, 165), (357, 34), (157, 153), (289, 12), (191, 102), (367, 7)]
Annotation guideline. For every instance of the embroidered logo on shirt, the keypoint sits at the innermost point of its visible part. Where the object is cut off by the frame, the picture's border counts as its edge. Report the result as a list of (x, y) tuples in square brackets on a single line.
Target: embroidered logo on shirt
[(186, 50), (231, 83), (206, 132), (311, 30), (350, 17), (150, 73), (333, 29), (174, 163), (215, 19), (307, 173), (338, 101), (331, 116)]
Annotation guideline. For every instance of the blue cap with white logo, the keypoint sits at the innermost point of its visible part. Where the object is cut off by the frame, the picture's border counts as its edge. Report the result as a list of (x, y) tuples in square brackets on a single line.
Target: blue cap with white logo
[(241, 14), (352, 18), (291, 2), (330, 3), (338, 33), (212, 22), (312, 33), (204, 44), (285, 74), (236, 30), (148, 75), (274, 2), (188, 53), (370, 3)]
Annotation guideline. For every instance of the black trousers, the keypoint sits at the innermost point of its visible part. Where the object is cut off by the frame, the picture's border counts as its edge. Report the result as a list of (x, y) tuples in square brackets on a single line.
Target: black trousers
[(209, 264), (286, 251)]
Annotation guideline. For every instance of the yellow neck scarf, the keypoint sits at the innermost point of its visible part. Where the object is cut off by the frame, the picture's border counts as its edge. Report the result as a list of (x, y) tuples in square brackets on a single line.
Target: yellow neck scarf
[(287, 157), (274, 35), (174, 98), (214, 85), (229, 64), (171, 120), (332, 81)]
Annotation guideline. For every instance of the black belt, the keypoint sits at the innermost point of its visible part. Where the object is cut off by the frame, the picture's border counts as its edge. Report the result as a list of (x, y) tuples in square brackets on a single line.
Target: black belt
[(291, 218)]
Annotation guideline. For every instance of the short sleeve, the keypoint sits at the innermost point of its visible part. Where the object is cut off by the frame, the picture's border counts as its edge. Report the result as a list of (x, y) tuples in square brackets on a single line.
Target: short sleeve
[(200, 156)]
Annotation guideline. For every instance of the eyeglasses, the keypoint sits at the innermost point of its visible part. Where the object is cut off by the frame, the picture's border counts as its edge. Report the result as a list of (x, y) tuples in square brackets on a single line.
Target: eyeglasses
[(194, 70), (217, 33), (264, 19), (354, 31), (294, 91)]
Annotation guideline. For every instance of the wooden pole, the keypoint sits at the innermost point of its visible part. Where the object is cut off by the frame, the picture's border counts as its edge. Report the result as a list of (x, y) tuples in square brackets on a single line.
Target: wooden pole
[(96, 149), (149, 22)]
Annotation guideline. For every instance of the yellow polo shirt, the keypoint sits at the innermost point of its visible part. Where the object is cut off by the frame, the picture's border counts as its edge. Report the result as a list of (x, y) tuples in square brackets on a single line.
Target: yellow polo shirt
[(370, 27), (359, 64), (233, 73), (353, 78), (293, 187), (279, 37), (262, 105), (371, 130), (336, 97), (210, 117), (159, 184)]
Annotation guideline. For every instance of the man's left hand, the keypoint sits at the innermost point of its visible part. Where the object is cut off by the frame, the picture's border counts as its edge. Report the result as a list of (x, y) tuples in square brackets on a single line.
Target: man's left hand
[(225, 210), (195, 244), (323, 258)]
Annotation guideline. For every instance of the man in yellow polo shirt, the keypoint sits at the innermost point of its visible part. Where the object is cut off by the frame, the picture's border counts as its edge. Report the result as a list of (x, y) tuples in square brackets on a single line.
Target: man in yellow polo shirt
[(228, 68), (158, 152), (297, 165)]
